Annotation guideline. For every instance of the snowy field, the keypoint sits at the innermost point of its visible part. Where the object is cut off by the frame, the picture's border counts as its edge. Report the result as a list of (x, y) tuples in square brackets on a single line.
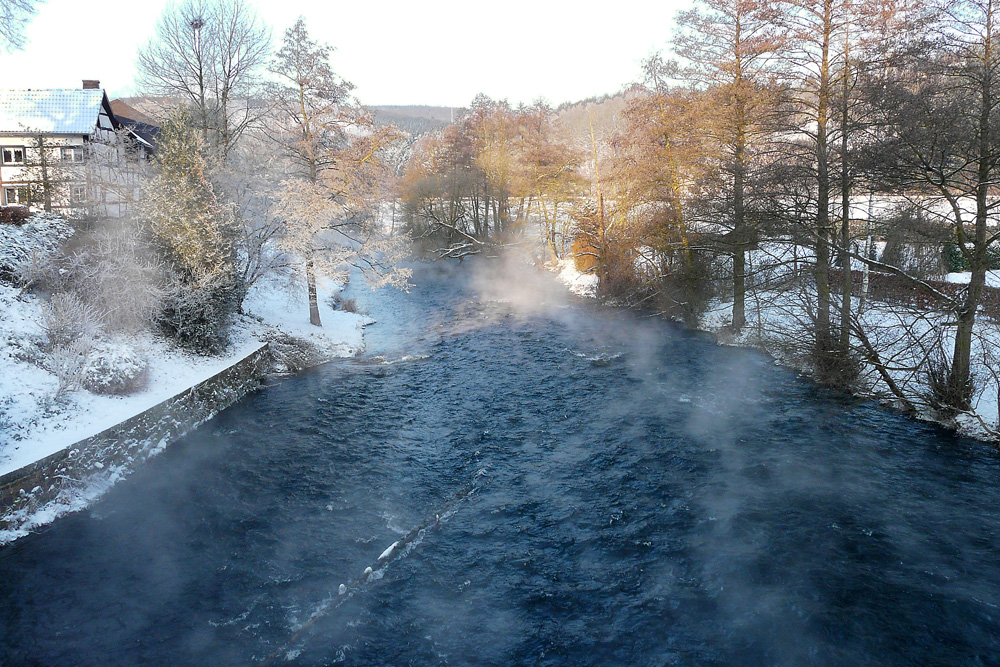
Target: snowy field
[(36, 422)]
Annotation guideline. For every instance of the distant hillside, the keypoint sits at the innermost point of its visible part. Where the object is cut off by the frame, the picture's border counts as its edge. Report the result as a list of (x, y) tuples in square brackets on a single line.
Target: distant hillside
[(442, 114), (416, 119), (602, 112)]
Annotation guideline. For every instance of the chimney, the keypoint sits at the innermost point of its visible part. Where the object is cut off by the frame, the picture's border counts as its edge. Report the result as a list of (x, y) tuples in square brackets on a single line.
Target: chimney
[(91, 84)]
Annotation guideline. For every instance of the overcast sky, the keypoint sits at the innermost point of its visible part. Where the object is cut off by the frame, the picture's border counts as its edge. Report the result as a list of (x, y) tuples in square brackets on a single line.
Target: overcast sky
[(430, 52)]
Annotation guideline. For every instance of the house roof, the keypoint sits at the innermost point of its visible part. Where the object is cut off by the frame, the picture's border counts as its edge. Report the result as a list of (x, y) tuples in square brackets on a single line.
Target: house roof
[(142, 127), (60, 111), (124, 111)]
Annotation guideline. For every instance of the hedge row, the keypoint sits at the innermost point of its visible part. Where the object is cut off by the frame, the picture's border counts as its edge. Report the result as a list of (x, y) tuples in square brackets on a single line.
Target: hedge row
[(890, 288)]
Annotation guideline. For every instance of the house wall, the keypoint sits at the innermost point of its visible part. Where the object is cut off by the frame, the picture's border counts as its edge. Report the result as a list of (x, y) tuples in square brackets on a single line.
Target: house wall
[(105, 184), (63, 174)]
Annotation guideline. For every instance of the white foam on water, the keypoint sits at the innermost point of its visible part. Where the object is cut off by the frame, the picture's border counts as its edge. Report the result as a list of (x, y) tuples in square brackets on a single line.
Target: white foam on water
[(388, 552)]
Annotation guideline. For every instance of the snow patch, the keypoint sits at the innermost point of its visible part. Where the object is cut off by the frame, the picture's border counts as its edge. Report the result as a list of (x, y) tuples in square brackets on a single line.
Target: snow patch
[(964, 277), (581, 284)]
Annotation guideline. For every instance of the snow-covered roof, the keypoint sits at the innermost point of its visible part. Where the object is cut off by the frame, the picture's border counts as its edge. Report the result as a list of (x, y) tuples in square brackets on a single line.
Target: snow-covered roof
[(61, 111)]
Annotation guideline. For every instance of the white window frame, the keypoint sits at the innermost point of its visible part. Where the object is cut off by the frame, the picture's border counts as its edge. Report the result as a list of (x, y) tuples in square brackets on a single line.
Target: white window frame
[(76, 154), (17, 190), (12, 161), (78, 193)]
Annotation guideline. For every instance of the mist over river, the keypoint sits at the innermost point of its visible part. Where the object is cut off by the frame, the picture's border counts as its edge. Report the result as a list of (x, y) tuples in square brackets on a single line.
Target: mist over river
[(563, 484)]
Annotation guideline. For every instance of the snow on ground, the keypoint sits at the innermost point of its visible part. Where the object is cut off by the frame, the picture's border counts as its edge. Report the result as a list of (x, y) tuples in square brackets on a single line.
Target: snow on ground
[(34, 423), (284, 306), (581, 284), (963, 278)]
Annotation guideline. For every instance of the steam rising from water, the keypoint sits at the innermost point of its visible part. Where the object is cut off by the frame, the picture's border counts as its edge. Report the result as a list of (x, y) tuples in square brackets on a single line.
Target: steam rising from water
[(563, 484)]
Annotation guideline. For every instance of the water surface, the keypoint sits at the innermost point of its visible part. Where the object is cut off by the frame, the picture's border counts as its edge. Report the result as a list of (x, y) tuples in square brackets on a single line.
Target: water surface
[(570, 485)]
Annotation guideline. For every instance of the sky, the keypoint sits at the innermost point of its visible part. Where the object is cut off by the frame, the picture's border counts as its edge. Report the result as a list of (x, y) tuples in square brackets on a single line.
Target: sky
[(396, 52)]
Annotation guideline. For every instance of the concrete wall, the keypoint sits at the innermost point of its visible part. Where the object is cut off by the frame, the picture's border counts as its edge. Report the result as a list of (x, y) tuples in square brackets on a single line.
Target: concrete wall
[(96, 462)]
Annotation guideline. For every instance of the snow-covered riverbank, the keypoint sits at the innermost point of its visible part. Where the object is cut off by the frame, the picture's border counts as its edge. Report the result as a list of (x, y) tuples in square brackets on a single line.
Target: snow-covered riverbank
[(36, 422), (778, 322)]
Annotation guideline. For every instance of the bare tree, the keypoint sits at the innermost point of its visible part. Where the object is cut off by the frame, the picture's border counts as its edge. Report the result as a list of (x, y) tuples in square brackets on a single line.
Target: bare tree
[(14, 16), (815, 28), (46, 175), (729, 47), (252, 186), (210, 53), (940, 131)]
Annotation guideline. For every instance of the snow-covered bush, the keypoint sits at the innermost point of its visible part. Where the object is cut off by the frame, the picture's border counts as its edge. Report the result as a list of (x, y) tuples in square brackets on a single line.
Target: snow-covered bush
[(40, 236), (197, 315), (29, 348), (66, 319), (115, 368)]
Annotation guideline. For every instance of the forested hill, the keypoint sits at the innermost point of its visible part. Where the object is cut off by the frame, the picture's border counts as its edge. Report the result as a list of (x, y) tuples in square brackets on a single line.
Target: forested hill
[(415, 119), (578, 116), (599, 113)]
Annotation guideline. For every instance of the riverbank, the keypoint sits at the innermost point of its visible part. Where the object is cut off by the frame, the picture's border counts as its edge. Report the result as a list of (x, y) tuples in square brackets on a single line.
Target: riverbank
[(40, 419), (778, 322)]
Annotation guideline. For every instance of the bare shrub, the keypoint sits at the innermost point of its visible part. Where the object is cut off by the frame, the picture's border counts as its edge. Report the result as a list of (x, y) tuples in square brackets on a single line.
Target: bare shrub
[(291, 355), (68, 363), (14, 214), (44, 271), (833, 367), (913, 243), (584, 254), (118, 275), (67, 319), (685, 287), (946, 396), (346, 305)]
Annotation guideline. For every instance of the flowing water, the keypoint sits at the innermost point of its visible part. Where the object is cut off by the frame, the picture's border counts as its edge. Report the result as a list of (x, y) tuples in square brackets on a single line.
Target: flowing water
[(563, 485)]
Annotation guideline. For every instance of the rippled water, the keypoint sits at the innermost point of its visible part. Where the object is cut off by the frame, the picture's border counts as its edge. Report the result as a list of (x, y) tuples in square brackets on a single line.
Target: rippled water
[(565, 485)]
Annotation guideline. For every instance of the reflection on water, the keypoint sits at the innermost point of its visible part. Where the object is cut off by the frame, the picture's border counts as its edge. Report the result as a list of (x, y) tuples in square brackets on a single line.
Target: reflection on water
[(510, 476)]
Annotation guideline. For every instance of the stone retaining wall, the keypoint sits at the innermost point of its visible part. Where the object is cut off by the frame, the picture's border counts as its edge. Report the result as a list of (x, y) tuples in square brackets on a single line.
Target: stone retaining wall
[(96, 462)]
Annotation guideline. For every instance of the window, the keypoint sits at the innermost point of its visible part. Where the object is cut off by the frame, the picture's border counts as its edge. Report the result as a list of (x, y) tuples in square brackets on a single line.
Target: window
[(13, 154), (16, 195), (78, 193), (73, 154)]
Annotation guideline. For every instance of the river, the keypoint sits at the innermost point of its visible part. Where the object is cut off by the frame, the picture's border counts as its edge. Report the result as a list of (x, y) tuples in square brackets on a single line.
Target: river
[(565, 484)]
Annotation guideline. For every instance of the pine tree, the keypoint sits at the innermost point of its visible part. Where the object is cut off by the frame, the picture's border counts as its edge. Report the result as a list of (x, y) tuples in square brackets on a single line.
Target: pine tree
[(179, 206)]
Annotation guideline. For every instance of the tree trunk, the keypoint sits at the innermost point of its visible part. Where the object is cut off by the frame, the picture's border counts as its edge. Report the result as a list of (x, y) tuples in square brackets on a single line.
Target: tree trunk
[(313, 298), (961, 364), (823, 301), (845, 223), (740, 236)]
